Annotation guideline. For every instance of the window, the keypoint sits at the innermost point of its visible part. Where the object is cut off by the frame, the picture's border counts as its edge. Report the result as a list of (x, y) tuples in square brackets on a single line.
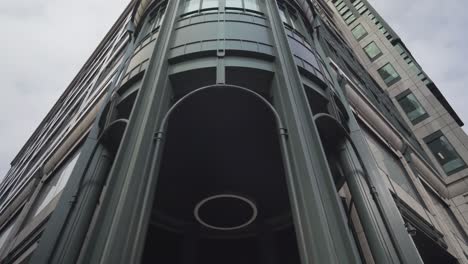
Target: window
[(414, 69), (389, 74), (412, 107), (290, 18), (359, 32), (234, 3), (192, 6), (156, 18), (372, 51), (53, 186), (350, 19), (252, 5), (360, 7), (445, 153)]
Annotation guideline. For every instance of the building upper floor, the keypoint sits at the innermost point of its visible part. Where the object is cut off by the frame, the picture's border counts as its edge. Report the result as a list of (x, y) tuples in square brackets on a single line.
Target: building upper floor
[(422, 105)]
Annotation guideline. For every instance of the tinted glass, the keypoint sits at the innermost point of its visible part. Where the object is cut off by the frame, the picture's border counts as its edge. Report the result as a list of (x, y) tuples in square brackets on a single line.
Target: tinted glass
[(192, 5), (372, 51), (389, 74), (210, 4), (251, 5), (54, 186), (359, 32), (234, 3), (350, 19), (412, 107), (446, 154)]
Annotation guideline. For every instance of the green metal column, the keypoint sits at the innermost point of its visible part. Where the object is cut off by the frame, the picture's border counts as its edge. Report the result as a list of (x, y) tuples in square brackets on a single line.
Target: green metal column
[(321, 227)]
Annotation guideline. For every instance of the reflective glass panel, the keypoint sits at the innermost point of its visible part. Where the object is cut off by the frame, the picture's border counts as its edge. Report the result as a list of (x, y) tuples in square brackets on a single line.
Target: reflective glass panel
[(252, 5), (372, 51), (389, 74), (54, 185), (412, 107), (210, 4), (234, 3), (446, 154), (359, 32)]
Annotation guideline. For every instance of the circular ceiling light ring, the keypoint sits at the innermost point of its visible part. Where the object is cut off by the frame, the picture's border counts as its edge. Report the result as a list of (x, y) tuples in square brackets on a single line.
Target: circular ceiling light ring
[(200, 204)]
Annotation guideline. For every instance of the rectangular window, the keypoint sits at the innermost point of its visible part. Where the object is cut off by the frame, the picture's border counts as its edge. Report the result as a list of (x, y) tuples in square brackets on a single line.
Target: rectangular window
[(210, 4), (389, 74), (412, 107), (399, 49), (359, 5), (359, 32), (251, 5), (347, 14), (344, 11), (234, 3), (191, 6), (445, 153), (340, 5), (372, 51), (350, 19), (414, 69)]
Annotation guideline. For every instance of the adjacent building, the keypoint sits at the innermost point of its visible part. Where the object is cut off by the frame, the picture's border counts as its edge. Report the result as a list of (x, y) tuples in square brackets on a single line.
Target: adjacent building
[(242, 131)]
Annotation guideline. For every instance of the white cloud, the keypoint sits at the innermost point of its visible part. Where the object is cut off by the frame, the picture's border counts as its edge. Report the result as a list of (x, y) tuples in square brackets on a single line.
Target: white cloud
[(44, 44), (435, 33)]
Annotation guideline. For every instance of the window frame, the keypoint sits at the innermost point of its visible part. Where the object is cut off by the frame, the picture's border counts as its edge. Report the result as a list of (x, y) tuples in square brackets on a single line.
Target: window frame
[(393, 81), (363, 35), (405, 94), (200, 8), (435, 136), (259, 3), (378, 55)]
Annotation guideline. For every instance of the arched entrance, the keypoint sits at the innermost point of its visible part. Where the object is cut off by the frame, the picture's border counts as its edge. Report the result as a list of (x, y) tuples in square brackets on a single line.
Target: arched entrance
[(221, 195)]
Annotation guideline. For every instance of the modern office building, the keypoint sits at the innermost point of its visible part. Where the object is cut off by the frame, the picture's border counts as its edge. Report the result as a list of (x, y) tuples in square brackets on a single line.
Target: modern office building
[(242, 131)]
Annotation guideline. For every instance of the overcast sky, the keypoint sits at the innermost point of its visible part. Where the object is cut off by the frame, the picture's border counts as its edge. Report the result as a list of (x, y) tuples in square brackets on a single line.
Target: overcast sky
[(45, 42)]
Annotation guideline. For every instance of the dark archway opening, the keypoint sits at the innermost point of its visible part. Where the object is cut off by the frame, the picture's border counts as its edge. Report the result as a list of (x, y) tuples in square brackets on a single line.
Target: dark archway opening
[(221, 195)]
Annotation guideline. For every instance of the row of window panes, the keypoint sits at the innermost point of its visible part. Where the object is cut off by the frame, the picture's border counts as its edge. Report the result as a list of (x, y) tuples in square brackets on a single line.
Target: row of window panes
[(289, 17), (359, 32), (439, 145), (380, 26), (413, 67), (196, 5), (345, 12), (156, 19), (360, 7)]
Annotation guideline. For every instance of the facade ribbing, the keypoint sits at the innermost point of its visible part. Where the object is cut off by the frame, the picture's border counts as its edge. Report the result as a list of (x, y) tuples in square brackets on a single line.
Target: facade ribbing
[(242, 131)]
